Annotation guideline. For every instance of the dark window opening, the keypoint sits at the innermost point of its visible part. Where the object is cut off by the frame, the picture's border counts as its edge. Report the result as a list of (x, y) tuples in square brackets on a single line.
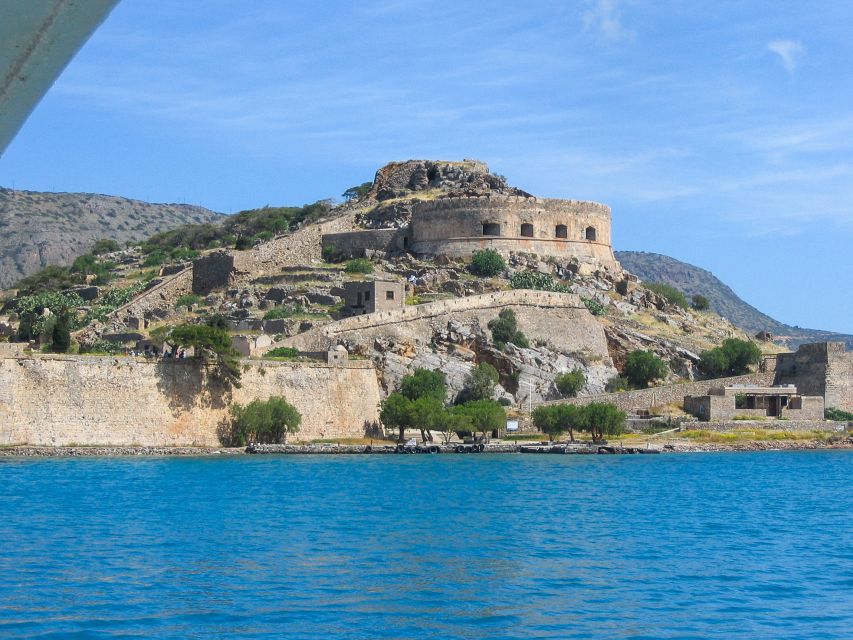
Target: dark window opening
[(405, 241), (367, 296), (389, 295), (526, 230), (590, 233), (561, 231), (491, 229)]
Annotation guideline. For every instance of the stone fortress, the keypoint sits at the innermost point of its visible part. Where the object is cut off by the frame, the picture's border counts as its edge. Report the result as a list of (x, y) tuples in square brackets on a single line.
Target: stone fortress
[(485, 214)]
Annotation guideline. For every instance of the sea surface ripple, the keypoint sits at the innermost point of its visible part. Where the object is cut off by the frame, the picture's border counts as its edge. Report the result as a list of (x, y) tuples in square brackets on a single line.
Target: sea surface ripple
[(746, 545)]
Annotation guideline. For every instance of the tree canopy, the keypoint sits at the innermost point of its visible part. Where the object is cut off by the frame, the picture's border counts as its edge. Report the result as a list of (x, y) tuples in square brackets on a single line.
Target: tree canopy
[(423, 382), (569, 384), (732, 358), (480, 383), (261, 421), (210, 344), (642, 367)]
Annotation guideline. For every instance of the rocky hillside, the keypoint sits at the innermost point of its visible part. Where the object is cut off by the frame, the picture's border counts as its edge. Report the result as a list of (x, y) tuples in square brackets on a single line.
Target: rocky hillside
[(654, 267), (40, 229)]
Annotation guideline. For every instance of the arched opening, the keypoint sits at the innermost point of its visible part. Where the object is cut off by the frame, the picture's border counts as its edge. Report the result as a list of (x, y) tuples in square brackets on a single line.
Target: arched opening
[(527, 230), (491, 229), (590, 233), (561, 231)]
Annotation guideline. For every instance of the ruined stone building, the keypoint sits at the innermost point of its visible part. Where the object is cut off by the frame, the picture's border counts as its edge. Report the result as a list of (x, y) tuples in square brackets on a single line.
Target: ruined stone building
[(755, 401), (369, 296), (821, 369)]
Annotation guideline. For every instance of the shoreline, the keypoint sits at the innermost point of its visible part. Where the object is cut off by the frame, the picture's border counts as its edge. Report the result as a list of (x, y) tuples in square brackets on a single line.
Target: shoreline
[(95, 451)]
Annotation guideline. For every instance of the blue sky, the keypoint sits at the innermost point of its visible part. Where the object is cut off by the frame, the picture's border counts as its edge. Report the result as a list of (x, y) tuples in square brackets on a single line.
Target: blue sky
[(721, 133)]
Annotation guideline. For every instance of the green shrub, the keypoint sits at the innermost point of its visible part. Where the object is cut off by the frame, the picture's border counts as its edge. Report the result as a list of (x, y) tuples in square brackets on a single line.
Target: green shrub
[(487, 263), (155, 258), (617, 384), (50, 278), (101, 346), (505, 329), (267, 421), (188, 300), (282, 352), (537, 281), (594, 307), (217, 321), (668, 292), (700, 302), (330, 254), (641, 367), (569, 384), (359, 265), (838, 415), (105, 245), (181, 254), (284, 311)]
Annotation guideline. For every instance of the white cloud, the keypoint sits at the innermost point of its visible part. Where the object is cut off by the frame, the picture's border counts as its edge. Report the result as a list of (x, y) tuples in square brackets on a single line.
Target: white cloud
[(604, 16), (789, 52)]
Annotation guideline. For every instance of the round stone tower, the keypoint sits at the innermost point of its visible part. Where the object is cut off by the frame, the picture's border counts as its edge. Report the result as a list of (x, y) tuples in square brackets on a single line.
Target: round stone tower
[(459, 226)]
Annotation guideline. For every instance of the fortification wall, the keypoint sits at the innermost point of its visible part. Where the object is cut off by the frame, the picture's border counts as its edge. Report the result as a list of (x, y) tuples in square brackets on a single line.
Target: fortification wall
[(560, 228), (668, 394), (820, 369), (354, 244), (65, 400), (558, 318)]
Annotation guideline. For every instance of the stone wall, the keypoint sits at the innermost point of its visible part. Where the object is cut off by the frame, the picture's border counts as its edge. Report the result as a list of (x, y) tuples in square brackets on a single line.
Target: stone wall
[(65, 400), (774, 425), (355, 244), (560, 319), (454, 226), (822, 369), (669, 394)]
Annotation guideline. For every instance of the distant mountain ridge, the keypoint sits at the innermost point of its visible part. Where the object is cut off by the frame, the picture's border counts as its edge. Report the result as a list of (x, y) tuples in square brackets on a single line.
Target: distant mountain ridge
[(690, 279), (39, 229)]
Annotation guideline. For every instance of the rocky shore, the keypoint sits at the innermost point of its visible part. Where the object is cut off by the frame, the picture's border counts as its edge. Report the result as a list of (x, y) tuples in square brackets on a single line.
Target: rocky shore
[(389, 448), (98, 452)]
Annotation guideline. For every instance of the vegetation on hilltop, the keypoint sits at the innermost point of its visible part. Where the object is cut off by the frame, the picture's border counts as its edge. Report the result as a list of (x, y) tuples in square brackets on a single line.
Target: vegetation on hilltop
[(43, 229)]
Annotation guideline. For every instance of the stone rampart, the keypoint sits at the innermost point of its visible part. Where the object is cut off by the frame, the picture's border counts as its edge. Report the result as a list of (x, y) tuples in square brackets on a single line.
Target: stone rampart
[(560, 319), (640, 399), (820, 369), (459, 226), (67, 400)]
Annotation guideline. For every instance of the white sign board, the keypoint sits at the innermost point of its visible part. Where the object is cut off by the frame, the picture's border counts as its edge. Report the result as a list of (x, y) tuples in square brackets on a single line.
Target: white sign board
[(512, 425)]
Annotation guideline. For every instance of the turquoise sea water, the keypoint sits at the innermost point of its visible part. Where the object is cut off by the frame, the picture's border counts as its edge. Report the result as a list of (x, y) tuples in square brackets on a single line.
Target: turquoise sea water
[(675, 546)]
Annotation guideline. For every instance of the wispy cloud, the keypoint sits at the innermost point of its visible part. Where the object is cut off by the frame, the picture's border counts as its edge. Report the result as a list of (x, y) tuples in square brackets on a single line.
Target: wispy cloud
[(789, 52), (605, 18)]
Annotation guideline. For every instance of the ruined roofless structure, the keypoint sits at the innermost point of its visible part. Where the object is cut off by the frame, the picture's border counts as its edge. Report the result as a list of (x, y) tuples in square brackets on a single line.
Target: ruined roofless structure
[(468, 209)]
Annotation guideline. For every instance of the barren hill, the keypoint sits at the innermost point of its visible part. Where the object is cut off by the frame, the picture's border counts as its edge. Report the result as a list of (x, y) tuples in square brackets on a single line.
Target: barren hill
[(691, 280), (39, 229)]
